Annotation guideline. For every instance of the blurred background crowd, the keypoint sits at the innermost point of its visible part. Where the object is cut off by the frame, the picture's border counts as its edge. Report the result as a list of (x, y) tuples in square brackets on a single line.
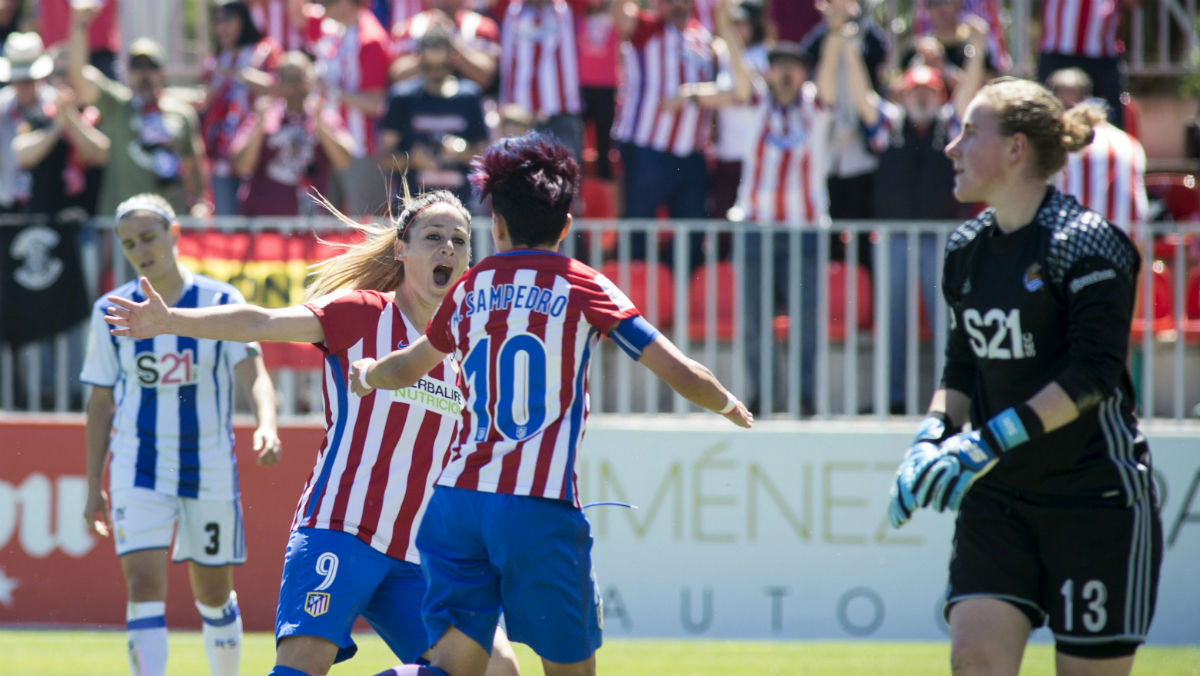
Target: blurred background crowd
[(796, 112)]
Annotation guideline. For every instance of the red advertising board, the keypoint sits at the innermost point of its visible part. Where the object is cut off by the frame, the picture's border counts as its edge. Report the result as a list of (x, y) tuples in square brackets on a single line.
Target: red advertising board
[(53, 571)]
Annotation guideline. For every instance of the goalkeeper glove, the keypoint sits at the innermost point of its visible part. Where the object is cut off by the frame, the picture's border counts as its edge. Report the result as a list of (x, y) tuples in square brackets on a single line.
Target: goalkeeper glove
[(968, 456), (917, 461)]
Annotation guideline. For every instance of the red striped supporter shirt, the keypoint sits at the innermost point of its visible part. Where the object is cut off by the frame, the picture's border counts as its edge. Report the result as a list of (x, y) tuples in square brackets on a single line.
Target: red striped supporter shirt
[(381, 452), (1108, 177), (273, 20), (783, 171), (1081, 28), (539, 66), (352, 60), (656, 59), (475, 29), (524, 325), (403, 10)]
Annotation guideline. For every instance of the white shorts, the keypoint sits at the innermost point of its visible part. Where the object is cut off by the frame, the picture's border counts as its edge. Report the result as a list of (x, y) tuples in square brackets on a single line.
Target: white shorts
[(210, 532)]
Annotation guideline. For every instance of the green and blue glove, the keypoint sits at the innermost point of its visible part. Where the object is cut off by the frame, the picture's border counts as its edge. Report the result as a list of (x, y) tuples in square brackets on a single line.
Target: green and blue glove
[(966, 457), (923, 453)]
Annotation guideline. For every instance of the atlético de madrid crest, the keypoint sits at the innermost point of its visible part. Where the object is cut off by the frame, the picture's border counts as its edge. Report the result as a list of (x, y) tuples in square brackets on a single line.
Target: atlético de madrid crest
[(316, 603)]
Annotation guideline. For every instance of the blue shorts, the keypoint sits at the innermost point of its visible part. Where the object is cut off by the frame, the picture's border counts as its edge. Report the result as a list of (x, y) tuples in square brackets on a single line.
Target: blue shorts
[(330, 578), (530, 556)]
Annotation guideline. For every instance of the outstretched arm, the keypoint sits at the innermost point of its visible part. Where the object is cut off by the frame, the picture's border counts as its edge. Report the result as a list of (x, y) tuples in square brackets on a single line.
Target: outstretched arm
[(396, 370), (693, 380), (237, 322)]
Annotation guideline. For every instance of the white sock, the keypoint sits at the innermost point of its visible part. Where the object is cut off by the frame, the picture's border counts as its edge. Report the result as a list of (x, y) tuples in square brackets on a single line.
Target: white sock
[(146, 629), (222, 636)]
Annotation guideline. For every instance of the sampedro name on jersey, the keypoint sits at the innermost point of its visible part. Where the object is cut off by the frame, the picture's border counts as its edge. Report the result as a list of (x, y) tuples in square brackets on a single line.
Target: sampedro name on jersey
[(172, 431), (524, 325), (381, 452)]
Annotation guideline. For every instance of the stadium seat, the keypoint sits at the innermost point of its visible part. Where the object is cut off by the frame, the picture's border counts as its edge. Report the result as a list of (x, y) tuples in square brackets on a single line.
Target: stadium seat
[(1180, 197), (725, 305), (837, 304), (1163, 314), (1191, 306), (599, 198), (837, 300), (639, 292)]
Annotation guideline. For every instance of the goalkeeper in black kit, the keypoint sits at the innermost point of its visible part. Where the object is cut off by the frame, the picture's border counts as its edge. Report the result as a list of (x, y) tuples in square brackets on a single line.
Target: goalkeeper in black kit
[(1058, 520)]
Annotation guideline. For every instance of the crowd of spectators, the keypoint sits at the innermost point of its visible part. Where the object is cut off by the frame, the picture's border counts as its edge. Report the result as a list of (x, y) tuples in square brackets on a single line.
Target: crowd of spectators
[(761, 111)]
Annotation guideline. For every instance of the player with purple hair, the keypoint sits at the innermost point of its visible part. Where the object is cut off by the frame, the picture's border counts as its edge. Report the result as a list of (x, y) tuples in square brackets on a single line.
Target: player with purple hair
[(524, 323)]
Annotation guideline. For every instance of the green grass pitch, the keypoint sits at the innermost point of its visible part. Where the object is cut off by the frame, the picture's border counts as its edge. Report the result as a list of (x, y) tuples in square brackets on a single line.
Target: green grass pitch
[(79, 653)]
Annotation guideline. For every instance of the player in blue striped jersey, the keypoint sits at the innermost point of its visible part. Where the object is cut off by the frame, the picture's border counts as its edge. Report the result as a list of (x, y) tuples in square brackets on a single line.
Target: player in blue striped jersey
[(163, 408)]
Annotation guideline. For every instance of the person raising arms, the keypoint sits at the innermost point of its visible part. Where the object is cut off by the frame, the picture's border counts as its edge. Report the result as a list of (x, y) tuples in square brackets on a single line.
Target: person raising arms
[(505, 528), (352, 535)]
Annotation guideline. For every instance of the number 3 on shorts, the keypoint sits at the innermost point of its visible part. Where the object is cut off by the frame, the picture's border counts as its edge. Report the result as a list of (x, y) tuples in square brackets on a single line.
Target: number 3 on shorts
[(214, 533), (1094, 594)]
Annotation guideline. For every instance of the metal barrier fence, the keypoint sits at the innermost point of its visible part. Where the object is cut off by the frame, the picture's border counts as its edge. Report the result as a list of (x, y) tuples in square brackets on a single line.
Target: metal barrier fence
[(839, 337)]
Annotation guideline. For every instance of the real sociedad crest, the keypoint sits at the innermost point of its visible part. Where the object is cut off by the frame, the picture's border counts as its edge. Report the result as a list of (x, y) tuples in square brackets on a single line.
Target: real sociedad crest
[(1033, 278), (316, 603)]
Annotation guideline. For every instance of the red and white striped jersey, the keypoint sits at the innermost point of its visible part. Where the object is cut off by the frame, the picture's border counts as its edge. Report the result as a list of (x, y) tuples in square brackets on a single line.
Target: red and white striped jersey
[(476, 31), (381, 452), (1081, 28), (705, 12), (783, 170), (273, 20), (403, 10), (524, 325), (539, 67), (352, 59), (1108, 177), (656, 59)]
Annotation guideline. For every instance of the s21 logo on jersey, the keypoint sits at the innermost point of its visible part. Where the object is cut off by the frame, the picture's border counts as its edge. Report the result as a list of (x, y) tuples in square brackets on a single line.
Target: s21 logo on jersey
[(996, 334), (170, 369)]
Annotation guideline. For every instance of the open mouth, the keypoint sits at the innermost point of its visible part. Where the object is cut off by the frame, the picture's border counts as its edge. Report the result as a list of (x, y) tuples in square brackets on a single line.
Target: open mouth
[(441, 275)]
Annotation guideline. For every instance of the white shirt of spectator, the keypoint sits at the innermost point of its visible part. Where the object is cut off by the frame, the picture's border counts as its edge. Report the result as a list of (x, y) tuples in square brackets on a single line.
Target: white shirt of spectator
[(784, 168), (1108, 177), (1080, 27), (735, 123), (539, 69)]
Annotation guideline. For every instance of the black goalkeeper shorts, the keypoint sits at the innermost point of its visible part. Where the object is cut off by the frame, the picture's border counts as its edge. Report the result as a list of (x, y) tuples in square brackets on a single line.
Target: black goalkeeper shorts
[(1088, 566)]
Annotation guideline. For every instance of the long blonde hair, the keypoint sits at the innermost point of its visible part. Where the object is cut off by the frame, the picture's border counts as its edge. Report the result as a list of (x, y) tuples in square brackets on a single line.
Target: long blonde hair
[(371, 263)]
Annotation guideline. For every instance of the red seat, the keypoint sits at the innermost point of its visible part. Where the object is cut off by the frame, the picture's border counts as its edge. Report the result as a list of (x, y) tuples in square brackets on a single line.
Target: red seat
[(837, 304), (639, 290), (699, 304), (599, 198), (1163, 313), (1181, 199), (1191, 306), (837, 300)]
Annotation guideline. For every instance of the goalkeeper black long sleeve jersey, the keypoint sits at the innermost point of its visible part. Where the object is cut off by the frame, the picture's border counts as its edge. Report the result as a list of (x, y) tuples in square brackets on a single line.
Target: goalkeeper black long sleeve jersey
[(1051, 301)]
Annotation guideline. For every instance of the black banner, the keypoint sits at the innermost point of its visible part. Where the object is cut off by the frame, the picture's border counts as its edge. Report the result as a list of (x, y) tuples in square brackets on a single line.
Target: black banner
[(42, 291)]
